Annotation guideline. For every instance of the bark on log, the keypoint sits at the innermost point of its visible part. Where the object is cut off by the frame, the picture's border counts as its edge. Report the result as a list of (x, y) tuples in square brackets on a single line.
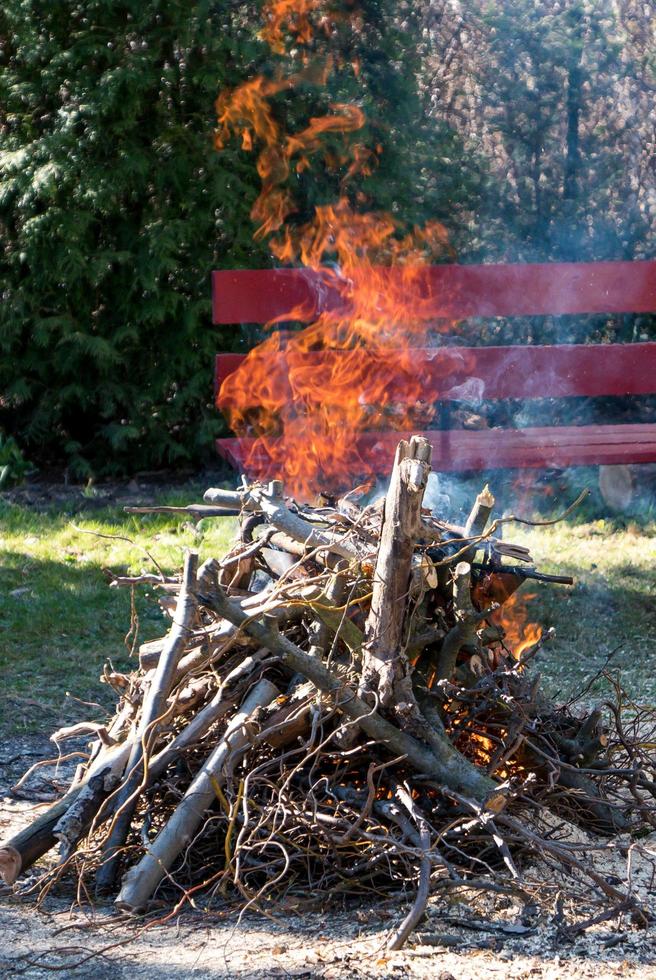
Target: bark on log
[(272, 504), (72, 826), (523, 573), (385, 667), (478, 518), (153, 707), (463, 633), (602, 816), (225, 498), (328, 621), (21, 851), (142, 879)]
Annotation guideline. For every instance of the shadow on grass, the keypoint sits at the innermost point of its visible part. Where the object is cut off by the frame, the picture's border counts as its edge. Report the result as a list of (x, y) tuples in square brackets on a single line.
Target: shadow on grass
[(59, 622), (595, 620)]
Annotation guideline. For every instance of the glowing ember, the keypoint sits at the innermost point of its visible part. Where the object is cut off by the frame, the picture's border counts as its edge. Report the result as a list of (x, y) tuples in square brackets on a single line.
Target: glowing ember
[(303, 410), (483, 747)]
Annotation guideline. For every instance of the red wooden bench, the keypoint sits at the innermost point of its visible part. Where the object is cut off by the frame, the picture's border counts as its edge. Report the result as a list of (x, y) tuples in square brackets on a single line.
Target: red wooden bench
[(487, 373)]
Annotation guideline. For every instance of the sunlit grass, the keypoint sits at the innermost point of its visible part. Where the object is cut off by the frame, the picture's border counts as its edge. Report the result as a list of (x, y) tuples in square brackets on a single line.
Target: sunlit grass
[(59, 620), (611, 609)]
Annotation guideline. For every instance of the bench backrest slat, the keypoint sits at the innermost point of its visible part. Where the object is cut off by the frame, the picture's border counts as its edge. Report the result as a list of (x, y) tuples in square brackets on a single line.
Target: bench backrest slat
[(478, 373), (455, 291)]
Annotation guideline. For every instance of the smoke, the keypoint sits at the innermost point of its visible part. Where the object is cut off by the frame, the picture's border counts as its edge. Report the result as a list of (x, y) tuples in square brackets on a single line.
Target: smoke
[(548, 106), (558, 97)]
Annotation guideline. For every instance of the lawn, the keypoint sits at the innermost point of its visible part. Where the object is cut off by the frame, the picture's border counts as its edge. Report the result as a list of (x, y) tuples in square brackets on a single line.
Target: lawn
[(610, 610), (59, 620)]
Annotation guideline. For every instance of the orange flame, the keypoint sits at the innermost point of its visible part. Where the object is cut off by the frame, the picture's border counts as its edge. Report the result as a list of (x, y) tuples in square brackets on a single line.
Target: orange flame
[(513, 618), (520, 634), (292, 17), (302, 399)]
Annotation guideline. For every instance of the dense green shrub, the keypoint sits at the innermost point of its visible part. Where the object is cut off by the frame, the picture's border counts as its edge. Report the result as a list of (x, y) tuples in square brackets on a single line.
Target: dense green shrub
[(13, 465), (114, 207)]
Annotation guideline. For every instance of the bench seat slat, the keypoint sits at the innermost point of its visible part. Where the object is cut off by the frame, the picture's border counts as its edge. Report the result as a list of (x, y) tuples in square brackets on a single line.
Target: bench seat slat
[(454, 291), (561, 435), (539, 447), (477, 373)]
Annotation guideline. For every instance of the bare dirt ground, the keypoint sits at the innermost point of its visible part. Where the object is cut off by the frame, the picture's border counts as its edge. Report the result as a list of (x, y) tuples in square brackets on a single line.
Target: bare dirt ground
[(61, 939)]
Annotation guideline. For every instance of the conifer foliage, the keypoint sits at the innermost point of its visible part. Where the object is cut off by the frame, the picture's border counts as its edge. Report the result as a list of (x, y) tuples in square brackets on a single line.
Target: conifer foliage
[(114, 207)]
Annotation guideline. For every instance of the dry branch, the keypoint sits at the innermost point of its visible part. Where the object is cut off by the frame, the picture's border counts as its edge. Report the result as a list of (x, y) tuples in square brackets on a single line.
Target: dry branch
[(395, 738), (153, 708), (142, 879), (450, 766)]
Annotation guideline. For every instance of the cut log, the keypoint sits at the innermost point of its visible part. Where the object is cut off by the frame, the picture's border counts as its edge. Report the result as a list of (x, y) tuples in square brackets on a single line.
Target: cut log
[(385, 667), (21, 851), (617, 486), (628, 486)]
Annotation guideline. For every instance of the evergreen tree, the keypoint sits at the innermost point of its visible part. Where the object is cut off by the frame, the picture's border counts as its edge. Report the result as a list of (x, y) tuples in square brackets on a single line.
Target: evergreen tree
[(114, 207), (559, 95), (424, 170), (552, 66)]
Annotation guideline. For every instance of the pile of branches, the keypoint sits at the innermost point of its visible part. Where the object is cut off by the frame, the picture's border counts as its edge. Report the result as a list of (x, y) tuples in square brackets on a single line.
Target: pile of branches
[(335, 712)]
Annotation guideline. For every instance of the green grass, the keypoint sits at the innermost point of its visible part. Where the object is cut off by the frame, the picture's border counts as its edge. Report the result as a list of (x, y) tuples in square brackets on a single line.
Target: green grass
[(610, 609), (62, 621)]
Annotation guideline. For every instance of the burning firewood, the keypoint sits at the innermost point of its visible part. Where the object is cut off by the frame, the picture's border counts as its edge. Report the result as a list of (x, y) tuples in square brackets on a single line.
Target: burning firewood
[(337, 708)]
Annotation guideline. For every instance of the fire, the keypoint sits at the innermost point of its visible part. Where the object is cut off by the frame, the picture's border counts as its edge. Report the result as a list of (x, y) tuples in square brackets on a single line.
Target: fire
[(302, 399), (483, 747), (513, 617), (293, 17)]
